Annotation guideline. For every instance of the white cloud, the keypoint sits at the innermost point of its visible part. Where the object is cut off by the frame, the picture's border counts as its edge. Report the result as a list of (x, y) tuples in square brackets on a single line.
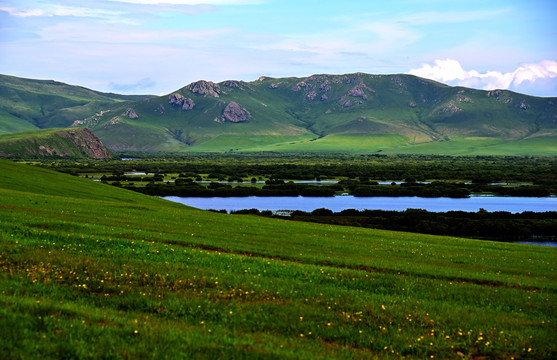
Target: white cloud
[(443, 70), (451, 72), (189, 2), (443, 17), (23, 13), (532, 72), (59, 10), (84, 33), (83, 12)]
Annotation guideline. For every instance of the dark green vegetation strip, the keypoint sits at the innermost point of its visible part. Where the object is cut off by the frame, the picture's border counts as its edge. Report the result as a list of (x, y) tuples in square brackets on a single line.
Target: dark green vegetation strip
[(478, 169), (88, 270), (498, 225)]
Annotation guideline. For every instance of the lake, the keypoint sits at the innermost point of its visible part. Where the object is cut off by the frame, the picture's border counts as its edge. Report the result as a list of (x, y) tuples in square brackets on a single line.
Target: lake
[(339, 203)]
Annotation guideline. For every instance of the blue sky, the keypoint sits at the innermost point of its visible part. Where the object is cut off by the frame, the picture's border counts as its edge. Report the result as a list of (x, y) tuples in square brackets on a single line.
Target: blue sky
[(156, 47)]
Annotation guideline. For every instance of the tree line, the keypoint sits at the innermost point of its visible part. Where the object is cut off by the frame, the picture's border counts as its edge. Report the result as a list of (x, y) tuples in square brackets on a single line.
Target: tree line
[(478, 169), (188, 187), (498, 225)]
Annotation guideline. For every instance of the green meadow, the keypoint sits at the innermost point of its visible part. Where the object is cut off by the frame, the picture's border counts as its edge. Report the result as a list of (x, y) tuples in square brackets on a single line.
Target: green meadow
[(89, 270), (371, 144)]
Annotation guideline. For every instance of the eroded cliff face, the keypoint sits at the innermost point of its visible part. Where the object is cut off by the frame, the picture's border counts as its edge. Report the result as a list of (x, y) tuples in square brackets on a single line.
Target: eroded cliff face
[(78, 142), (87, 142)]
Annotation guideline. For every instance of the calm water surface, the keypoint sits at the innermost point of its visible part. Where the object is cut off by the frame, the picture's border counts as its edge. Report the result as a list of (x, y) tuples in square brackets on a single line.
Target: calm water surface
[(339, 203)]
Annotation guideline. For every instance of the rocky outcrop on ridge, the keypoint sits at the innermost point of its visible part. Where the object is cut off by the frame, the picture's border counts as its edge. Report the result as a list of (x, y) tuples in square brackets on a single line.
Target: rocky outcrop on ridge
[(319, 86), (235, 113), (90, 145), (358, 91), (179, 100), (176, 99), (203, 87), (188, 104), (232, 83)]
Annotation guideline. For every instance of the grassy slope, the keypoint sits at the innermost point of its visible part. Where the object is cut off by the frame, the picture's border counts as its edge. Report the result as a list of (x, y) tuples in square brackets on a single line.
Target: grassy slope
[(65, 142), (92, 270), (417, 115), (398, 114), (27, 104)]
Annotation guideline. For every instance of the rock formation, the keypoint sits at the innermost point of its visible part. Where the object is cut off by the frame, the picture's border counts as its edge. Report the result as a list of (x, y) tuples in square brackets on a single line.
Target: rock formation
[(232, 83), (176, 99), (312, 95), (325, 86), (89, 144), (130, 114), (75, 143), (235, 113), (345, 103), (203, 87), (358, 91), (448, 109), (179, 100), (188, 104)]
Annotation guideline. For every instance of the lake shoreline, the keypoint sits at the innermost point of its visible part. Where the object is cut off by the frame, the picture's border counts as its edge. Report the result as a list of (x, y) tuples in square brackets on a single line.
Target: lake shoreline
[(343, 202), (506, 219)]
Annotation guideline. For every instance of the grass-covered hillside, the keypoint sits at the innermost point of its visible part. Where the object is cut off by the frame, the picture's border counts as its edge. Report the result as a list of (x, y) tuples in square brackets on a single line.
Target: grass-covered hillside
[(89, 270), (54, 143), (355, 113), (28, 104)]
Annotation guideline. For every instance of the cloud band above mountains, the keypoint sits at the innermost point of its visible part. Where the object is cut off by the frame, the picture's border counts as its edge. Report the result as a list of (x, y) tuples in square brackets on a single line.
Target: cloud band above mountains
[(537, 78)]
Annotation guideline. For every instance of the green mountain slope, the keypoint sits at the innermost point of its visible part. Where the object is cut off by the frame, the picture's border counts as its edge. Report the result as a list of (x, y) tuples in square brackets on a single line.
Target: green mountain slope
[(358, 113), (89, 270), (74, 143), (27, 104), (348, 113)]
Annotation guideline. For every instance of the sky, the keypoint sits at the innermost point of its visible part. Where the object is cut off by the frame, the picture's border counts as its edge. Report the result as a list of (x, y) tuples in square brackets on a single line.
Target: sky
[(158, 46)]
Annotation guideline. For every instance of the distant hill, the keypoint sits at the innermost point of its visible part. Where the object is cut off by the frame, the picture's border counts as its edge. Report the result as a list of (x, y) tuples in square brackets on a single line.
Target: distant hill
[(356, 113), (74, 143), (27, 104)]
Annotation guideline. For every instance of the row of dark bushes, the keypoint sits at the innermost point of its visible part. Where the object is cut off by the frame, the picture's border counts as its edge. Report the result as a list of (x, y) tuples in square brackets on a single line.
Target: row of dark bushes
[(479, 169), (223, 190), (188, 188), (499, 225)]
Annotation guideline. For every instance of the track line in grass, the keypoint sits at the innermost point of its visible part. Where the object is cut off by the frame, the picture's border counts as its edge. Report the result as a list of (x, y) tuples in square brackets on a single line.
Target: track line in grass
[(365, 268)]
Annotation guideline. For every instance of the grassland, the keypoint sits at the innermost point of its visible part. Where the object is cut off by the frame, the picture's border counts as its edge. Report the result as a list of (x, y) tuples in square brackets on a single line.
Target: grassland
[(27, 104), (93, 271), (352, 113), (52, 143), (385, 144)]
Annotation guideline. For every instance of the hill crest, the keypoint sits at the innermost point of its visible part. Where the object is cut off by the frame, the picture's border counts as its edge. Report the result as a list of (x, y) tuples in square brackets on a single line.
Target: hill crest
[(76, 143), (330, 113)]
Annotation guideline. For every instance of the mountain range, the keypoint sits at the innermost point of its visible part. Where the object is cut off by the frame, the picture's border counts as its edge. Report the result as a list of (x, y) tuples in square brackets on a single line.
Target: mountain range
[(356, 113)]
